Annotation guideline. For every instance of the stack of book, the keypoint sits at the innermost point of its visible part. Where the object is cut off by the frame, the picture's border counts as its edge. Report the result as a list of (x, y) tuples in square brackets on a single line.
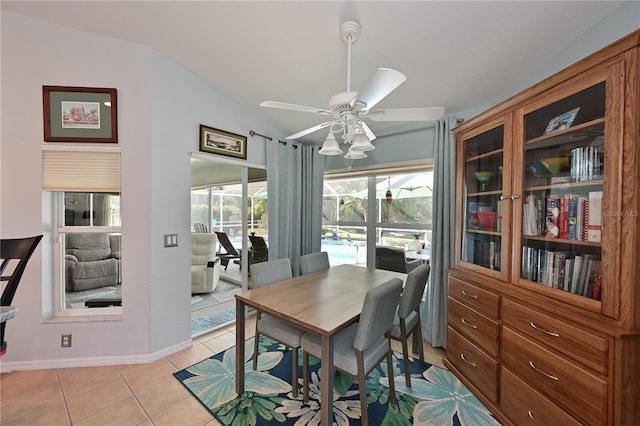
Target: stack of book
[(576, 273), (567, 216)]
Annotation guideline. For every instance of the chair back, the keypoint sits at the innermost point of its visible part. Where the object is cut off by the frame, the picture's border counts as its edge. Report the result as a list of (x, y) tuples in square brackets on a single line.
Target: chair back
[(379, 308), (270, 272), (413, 290), (200, 227), (226, 243), (260, 249), (391, 259), (203, 248), (314, 262), (16, 252)]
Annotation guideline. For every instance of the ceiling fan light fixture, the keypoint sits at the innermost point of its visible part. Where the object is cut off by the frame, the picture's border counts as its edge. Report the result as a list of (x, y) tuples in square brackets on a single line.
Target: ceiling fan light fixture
[(361, 142), (330, 146), (355, 155)]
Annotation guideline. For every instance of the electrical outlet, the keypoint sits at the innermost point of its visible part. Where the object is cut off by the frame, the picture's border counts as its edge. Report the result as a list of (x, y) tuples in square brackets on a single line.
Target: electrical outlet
[(65, 341)]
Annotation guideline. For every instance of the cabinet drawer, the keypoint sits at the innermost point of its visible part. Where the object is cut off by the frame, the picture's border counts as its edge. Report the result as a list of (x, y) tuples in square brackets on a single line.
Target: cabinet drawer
[(524, 405), (475, 365), (481, 300), (572, 388), (474, 326), (575, 343)]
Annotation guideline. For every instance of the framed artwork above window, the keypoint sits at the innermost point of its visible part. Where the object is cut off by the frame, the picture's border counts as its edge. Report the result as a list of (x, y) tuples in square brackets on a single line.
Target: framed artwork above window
[(80, 114)]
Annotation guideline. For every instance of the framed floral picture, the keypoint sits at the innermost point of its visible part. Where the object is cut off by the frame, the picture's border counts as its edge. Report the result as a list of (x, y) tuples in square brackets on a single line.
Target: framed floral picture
[(80, 114), (217, 141)]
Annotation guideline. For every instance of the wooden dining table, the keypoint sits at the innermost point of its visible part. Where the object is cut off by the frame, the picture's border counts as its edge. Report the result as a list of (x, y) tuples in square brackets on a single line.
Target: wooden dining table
[(322, 302)]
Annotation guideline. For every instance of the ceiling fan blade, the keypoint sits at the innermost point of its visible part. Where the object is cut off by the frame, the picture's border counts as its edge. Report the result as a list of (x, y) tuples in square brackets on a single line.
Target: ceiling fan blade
[(406, 114), (368, 131), (294, 107), (310, 130), (383, 82)]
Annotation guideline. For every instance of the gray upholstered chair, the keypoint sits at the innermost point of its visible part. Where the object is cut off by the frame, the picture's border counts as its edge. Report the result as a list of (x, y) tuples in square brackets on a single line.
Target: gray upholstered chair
[(91, 261), (359, 348), (262, 274), (393, 259), (205, 265), (407, 320), (313, 262)]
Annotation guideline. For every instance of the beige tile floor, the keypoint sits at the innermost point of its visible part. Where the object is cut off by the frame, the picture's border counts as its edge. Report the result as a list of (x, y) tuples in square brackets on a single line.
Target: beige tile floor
[(122, 395)]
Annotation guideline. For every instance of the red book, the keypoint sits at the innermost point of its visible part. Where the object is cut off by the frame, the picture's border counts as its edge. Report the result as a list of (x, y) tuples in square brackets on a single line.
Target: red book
[(564, 217)]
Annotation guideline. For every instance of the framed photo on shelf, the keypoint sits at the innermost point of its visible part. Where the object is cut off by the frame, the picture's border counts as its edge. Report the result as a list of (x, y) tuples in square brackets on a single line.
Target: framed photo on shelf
[(218, 141), (562, 122), (80, 114)]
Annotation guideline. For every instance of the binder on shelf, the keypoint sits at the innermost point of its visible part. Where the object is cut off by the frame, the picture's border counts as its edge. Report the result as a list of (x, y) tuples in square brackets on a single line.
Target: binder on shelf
[(594, 227)]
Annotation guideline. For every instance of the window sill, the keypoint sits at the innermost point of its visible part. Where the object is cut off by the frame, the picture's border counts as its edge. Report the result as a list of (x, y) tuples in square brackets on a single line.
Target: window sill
[(86, 315)]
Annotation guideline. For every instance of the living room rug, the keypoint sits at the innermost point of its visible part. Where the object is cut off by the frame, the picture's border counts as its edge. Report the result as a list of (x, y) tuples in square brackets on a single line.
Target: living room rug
[(437, 397), (207, 323)]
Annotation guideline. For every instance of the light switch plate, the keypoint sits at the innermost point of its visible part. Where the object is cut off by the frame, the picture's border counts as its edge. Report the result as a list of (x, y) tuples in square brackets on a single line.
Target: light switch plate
[(171, 240)]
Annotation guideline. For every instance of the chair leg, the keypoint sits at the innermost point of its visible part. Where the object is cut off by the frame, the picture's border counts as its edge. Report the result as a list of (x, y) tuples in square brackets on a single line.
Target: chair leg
[(405, 353), (417, 335), (256, 339), (294, 372), (364, 408), (392, 383), (305, 377)]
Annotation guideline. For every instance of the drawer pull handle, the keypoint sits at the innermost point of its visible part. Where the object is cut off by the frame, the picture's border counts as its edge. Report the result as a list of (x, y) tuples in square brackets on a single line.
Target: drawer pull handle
[(533, 419), (467, 323), (473, 296), (542, 372), (473, 364), (550, 333)]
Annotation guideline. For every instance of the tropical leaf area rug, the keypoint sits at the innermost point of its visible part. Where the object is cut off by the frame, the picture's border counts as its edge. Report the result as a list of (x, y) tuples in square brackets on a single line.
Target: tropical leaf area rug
[(435, 398)]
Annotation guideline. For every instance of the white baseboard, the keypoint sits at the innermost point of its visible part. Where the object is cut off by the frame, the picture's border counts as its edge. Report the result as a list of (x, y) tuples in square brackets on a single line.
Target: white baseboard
[(6, 367)]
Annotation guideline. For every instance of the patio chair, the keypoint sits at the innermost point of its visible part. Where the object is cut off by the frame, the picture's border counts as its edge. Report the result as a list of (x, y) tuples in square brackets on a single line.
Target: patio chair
[(260, 251), (230, 251), (359, 348), (407, 320), (393, 259), (200, 228), (266, 273), (314, 262), (14, 252)]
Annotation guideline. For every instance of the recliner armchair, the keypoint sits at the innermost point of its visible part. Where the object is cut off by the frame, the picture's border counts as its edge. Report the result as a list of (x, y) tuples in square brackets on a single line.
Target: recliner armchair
[(205, 265), (92, 260), (393, 259)]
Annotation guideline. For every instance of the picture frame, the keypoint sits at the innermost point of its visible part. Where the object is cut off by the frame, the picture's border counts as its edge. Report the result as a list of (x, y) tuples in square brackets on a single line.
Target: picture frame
[(216, 141), (562, 122), (80, 114)]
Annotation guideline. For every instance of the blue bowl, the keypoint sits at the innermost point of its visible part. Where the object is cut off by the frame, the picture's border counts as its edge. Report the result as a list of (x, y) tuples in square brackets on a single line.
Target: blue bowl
[(538, 169)]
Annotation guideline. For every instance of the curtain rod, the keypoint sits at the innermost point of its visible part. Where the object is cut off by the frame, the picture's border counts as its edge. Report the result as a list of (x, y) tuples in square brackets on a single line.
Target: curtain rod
[(253, 133)]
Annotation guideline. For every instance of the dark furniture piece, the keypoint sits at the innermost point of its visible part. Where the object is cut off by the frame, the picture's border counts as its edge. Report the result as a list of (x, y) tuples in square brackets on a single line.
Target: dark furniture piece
[(230, 251), (103, 303), (260, 251), (14, 252), (393, 259)]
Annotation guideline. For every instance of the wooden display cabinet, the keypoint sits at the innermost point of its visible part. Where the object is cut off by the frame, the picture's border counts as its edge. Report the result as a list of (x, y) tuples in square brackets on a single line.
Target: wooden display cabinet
[(543, 318)]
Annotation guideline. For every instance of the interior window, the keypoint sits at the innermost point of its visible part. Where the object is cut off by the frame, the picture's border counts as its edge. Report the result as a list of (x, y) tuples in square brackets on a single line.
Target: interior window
[(90, 247)]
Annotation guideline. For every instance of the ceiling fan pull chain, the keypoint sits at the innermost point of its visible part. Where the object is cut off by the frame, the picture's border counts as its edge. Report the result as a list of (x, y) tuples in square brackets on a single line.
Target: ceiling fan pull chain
[(349, 41)]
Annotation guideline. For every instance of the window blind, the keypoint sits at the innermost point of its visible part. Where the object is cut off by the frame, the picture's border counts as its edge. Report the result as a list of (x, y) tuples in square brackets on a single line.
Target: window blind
[(81, 168)]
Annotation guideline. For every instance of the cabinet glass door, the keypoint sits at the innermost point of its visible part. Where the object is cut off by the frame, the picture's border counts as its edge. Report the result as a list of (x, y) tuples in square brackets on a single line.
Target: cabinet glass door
[(562, 194), (482, 164)]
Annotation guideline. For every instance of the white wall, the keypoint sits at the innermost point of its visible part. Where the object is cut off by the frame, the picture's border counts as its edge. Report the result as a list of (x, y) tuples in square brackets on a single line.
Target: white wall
[(160, 105)]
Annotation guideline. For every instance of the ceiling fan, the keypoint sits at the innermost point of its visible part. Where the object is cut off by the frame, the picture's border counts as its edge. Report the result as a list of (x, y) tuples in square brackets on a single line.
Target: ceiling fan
[(348, 108)]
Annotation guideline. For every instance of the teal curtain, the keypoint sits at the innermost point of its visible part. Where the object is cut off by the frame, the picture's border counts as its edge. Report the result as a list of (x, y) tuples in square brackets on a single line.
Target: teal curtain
[(434, 312), (295, 176)]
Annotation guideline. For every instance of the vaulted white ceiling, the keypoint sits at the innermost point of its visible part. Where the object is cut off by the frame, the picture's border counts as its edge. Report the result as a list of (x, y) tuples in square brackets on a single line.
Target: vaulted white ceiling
[(459, 55)]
